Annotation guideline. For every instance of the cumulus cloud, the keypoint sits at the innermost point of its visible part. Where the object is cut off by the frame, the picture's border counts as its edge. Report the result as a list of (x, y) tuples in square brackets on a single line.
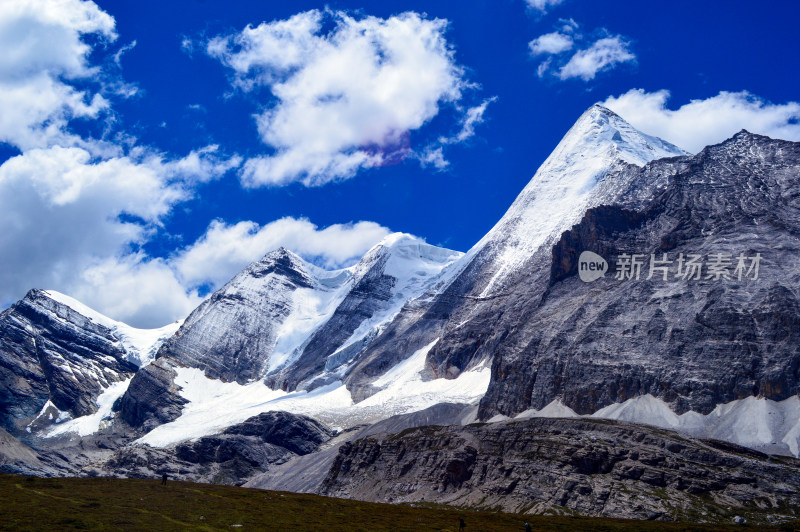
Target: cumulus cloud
[(603, 54), (225, 249), (43, 49), (68, 217), (75, 209), (550, 43), (345, 98), (700, 123), (137, 289), (542, 5)]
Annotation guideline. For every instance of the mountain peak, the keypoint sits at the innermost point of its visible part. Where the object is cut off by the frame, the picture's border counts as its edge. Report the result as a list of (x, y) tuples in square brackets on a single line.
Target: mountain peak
[(405, 246), (571, 179), (603, 132)]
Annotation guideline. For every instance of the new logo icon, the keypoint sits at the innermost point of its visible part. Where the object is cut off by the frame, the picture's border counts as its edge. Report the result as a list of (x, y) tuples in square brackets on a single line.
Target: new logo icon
[(591, 266)]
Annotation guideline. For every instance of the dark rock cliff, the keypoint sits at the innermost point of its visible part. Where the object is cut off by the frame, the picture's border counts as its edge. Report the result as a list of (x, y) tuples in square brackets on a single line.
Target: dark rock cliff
[(48, 351), (600, 468)]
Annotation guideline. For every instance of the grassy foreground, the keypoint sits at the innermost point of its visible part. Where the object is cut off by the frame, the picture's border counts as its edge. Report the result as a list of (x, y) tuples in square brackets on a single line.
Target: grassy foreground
[(29, 503)]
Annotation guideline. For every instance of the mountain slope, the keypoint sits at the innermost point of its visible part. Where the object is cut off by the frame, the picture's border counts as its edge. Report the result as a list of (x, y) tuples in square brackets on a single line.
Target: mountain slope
[(587, 168), (283, 325), (57, 356), (693, 343)]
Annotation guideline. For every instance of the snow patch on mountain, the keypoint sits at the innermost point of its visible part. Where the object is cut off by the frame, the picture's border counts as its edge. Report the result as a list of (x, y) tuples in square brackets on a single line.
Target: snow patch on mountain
[(140, 345), (310, 309), (415, 266), (554, 408), (86, 425), (565, 186), (758, 423), (214, 405)]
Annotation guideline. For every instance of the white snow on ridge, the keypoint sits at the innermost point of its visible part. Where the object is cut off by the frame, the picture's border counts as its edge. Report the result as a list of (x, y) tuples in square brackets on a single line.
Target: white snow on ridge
[(214, 405), (140, 345), (414, 264), (86, 425), (565, 186), (310, 309), (757, 423)]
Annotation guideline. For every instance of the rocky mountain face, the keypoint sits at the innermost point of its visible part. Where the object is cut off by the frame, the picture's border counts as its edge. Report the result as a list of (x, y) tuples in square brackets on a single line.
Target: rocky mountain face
[(721, 333), (593, 467), (58, 356), (286, 322), (588, 168), (54, 358), (231, 457), (691, 323)]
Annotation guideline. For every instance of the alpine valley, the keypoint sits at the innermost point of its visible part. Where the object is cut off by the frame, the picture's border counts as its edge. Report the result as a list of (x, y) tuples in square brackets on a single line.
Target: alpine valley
[(492, 379)]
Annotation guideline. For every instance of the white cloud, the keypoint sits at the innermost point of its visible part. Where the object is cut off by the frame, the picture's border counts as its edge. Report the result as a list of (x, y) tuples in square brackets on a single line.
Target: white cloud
[(603, 54), (122, 51), (225, 249), (42, 49), (606, 52), (76, 210), (472, 117), (138, 290), (70, 219), (433, 157), (345, 99), (542, 5), (550, 43), (700, 123)]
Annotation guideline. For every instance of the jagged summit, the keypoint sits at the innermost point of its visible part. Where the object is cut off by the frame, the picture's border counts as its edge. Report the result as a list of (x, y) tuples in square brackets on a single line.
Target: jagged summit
[(571, 180), (139, 345)]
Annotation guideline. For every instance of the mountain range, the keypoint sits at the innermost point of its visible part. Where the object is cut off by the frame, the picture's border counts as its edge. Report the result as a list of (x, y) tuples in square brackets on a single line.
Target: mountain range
[(296, 377)]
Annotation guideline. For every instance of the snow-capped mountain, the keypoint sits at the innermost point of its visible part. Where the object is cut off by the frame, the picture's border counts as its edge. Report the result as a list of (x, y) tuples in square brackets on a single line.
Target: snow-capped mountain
[(505, 331), (58, 356), (586, 169), (694, 342), (283, 325), (580, 173)]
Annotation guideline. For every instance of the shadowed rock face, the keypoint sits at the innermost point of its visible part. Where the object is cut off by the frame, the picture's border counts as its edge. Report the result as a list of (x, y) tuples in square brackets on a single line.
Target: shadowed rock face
[(299, 434), (232, 334), (692, 343), (231, 457), (49, 351), (152, 397), (540, 465)]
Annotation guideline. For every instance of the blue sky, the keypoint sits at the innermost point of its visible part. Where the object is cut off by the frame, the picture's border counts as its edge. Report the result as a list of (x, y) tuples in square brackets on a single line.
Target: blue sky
[(150, 150)]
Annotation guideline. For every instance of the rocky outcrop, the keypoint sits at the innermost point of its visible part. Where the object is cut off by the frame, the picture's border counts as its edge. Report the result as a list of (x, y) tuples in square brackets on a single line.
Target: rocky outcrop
[(50, 352), (233, 333), (231, 457), (152, 397), (600, 468), (306, 473), (692, 342), (298, 434)]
